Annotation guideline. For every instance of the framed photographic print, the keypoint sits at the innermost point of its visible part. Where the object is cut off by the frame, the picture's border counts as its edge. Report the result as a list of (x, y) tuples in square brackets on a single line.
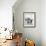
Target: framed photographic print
[(29, 19)]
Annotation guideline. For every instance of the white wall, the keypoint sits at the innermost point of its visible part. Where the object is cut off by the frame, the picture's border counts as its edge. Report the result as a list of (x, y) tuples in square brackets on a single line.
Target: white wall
[(43, 22), (38, 33), (28, 6), (6, 13)]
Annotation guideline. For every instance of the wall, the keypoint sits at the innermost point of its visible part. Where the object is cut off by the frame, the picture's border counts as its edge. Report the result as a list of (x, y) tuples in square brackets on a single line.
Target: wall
[(43, 22), (28, 6), (6, 13)]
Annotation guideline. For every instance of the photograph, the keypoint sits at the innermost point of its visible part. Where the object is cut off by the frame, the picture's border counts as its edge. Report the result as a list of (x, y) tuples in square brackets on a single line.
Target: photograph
[(29, 19)]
